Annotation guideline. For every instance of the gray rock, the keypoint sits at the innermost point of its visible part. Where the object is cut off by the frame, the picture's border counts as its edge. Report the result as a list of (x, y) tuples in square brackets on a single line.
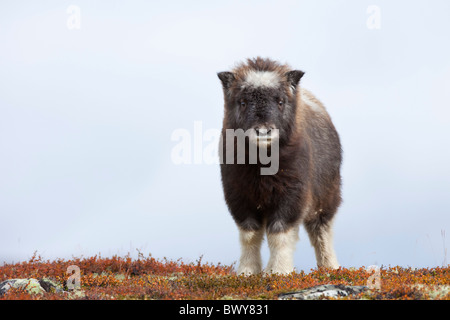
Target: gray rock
[(327, 290), (50, 285), (31, 285)]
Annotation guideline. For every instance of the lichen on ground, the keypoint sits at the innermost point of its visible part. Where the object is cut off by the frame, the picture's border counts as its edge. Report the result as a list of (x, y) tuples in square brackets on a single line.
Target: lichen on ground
[(149, 278)]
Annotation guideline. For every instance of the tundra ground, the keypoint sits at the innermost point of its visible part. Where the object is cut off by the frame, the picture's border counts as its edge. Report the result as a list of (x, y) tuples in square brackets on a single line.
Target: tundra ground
[(149, 278)]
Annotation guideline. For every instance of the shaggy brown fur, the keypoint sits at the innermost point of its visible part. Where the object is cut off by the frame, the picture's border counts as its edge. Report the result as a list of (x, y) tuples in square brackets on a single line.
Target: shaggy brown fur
[(306, 188)]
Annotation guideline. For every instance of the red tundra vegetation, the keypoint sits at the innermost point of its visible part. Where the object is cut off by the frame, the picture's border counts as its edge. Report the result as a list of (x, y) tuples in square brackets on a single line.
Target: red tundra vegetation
[(149, 278)]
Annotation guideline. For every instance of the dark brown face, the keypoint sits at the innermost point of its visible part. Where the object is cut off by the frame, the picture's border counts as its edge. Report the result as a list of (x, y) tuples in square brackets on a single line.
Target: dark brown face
[(260, 110), (262, 104)]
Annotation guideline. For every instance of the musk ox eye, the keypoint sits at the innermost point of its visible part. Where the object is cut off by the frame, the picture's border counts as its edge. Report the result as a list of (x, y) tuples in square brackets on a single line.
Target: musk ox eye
[(280, 103), (243, 104)]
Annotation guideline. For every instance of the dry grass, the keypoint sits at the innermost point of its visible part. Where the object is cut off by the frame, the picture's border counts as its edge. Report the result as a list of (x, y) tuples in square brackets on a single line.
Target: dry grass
[(150, 278)]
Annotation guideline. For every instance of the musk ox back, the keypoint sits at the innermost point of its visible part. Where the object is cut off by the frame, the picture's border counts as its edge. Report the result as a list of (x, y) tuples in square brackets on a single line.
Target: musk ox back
[(263, 98)]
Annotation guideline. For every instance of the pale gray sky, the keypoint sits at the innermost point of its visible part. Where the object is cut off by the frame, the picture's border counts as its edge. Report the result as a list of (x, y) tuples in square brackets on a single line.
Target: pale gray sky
[(86, 118)]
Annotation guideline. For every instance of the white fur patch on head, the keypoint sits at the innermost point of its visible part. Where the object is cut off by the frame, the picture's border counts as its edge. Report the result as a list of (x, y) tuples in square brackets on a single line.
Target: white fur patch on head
[(267, 79)]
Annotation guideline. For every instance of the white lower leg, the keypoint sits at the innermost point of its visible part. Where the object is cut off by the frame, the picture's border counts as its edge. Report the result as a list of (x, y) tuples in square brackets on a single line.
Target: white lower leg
[(282, 247), (322, 240), (250, 261)]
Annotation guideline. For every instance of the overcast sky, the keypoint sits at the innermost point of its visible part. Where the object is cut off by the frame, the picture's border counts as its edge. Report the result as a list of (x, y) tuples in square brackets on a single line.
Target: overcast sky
[(92, 91)]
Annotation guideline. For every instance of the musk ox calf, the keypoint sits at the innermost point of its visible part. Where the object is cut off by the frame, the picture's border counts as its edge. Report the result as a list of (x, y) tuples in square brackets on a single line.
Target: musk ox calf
[(263, 98)]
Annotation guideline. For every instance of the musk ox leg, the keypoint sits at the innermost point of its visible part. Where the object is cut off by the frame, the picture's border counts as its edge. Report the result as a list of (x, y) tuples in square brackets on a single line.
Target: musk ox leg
[(250, 261), (282, 247), (320, 234)]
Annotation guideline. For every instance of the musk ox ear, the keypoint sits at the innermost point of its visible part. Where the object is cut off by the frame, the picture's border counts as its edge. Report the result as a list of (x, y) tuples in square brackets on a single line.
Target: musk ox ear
[(294, 77), (227, 79)]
